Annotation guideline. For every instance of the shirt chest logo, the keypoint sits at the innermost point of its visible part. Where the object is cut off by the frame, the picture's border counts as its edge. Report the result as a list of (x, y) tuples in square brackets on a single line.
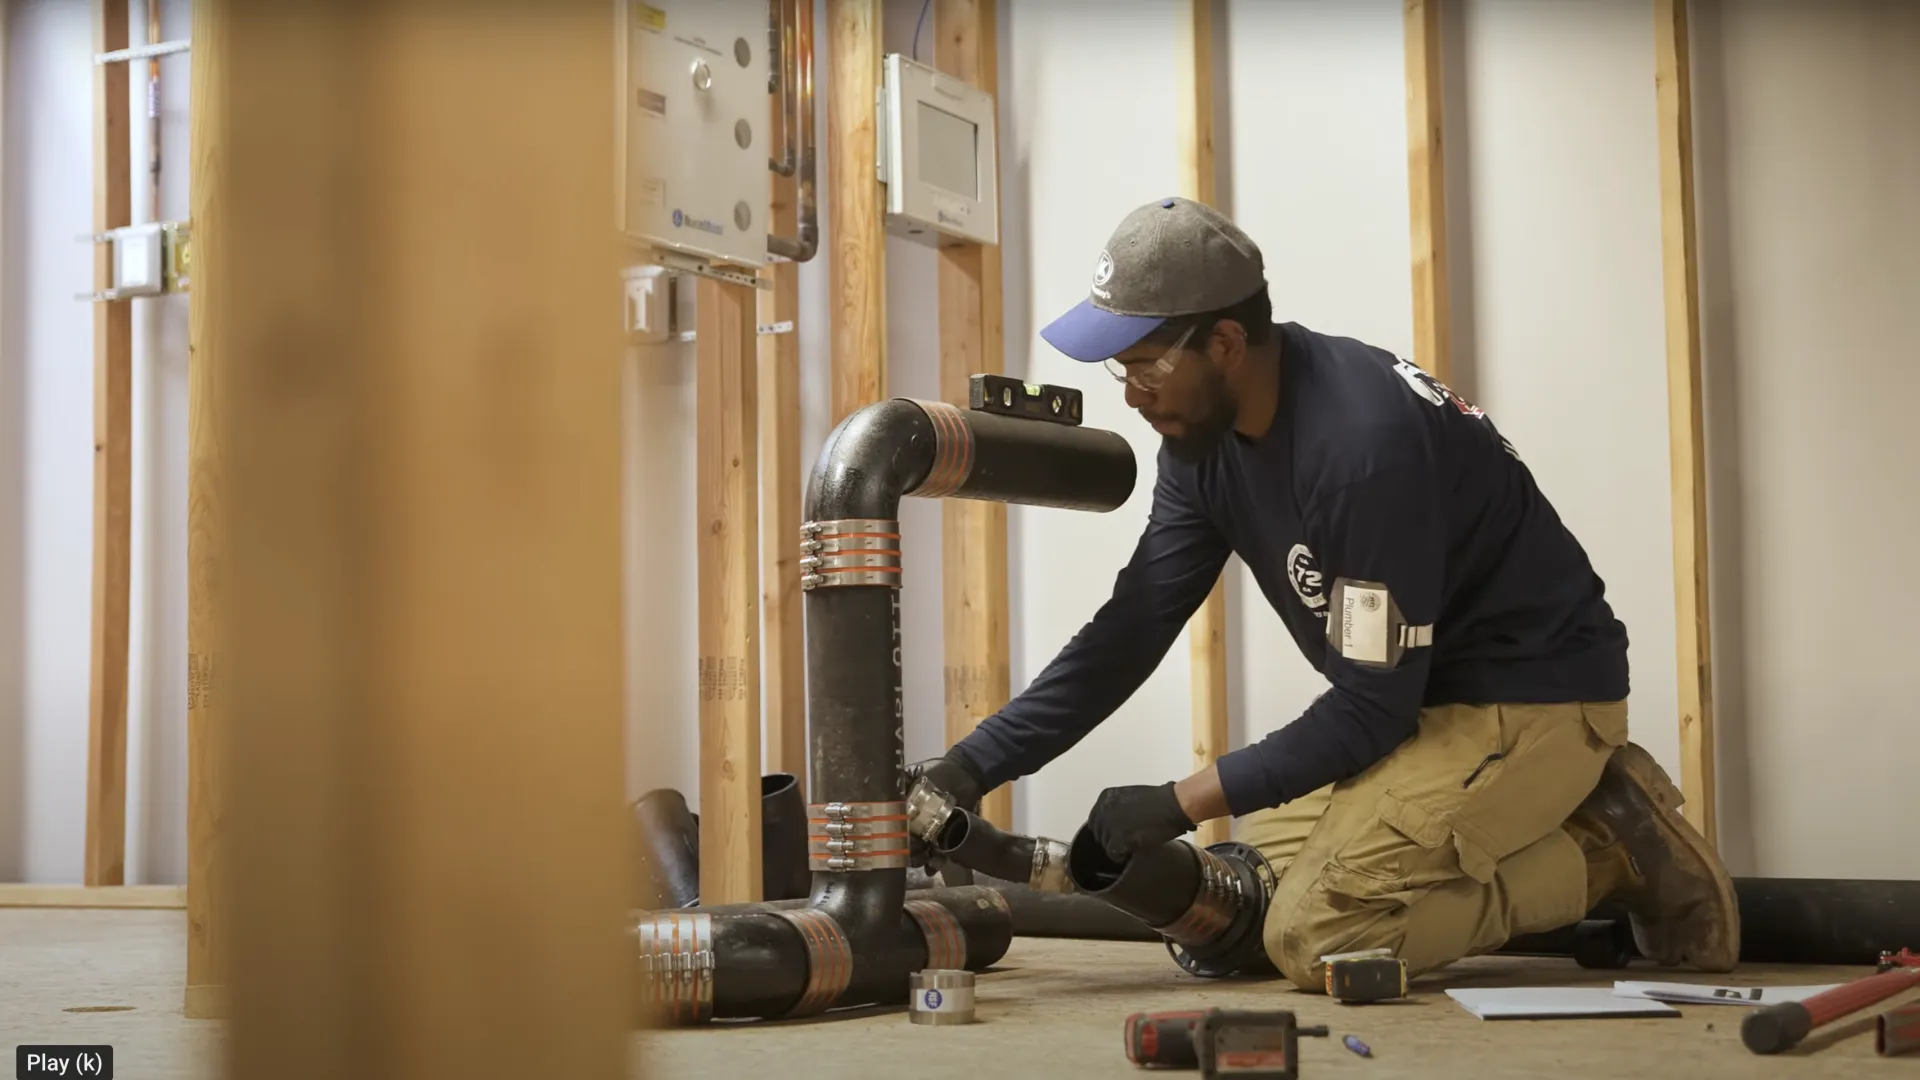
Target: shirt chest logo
[(1303, 573)]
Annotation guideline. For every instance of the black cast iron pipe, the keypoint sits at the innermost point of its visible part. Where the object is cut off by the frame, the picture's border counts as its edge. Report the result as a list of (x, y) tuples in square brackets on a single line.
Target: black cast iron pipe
[(1210, 904), (856, 940)]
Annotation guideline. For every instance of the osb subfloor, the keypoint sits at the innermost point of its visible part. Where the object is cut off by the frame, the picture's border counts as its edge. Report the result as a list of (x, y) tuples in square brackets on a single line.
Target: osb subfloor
[(1050, 1009)]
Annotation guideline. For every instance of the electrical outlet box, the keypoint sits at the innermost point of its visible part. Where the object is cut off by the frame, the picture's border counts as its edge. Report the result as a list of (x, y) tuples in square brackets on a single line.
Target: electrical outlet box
[(697, 134), (649, 304), (937, 154), (139, 261)]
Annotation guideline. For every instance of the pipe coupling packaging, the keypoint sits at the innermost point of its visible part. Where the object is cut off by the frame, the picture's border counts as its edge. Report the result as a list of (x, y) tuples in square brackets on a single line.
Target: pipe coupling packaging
[(942, 997)]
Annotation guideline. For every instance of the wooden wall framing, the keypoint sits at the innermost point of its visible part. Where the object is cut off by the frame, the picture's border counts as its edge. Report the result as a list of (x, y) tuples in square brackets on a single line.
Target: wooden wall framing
[(106, 836), (1207, 629), (207, 916), (785, 678), (727, 486), (857, 246), (974, 601), (1693, 654), (1427, 190)]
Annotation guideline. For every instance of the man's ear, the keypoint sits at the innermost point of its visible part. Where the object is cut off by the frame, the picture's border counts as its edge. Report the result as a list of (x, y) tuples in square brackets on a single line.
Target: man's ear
[(1229, 338)]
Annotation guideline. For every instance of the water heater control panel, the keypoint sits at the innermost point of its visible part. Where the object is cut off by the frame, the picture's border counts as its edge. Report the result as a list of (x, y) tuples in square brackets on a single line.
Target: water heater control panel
[(696, 126)]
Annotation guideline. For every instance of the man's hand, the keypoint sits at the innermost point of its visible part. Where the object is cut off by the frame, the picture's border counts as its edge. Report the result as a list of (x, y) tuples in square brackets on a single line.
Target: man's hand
[(952, 774), (1128, 819)]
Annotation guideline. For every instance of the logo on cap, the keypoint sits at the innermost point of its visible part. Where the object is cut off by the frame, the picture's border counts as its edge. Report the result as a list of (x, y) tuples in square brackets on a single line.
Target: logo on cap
[(1102, 273)]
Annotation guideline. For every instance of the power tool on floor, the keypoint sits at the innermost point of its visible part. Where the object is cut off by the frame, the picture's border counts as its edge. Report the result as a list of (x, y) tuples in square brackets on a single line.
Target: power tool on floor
[(1250, 1044)]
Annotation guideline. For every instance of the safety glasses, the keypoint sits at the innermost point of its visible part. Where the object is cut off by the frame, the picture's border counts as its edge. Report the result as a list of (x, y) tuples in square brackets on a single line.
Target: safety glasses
[(1153, 375)]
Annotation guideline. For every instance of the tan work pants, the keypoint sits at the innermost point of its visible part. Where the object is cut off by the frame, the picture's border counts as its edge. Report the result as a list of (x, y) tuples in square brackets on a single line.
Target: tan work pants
[(1445, 848)]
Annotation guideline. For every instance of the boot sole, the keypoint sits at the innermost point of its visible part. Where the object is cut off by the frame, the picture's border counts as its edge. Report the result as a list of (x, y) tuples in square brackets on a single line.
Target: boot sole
[(1709, 938)]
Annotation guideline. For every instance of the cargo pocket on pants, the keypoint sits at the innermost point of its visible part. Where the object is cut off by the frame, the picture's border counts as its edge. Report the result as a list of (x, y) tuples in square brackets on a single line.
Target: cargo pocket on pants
[(1552, 767), (1401, 852)]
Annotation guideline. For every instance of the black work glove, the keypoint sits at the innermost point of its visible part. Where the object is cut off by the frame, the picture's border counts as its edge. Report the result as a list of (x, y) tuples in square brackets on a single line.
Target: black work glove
[(953, 775), (1129, 819)]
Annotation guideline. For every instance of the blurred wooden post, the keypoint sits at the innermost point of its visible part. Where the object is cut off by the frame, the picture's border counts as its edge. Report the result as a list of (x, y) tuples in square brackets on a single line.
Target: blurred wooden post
[(1686, 426), (857, 239), (974, 534), (1207, 630), (414, 303), (112, 464)]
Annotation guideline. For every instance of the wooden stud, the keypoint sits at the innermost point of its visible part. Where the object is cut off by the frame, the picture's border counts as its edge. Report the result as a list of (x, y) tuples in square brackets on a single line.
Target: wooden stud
[(112, 464), (162, 897), (785, 679), (727, 479), (427, 847), (973, 534), (858, 238), (1686, 424), (206, 499), (1207, 629), (1427, 190)]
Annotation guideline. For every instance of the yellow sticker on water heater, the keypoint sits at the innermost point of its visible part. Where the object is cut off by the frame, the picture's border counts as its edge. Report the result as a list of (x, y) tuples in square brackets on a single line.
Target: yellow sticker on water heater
[(648, 17)]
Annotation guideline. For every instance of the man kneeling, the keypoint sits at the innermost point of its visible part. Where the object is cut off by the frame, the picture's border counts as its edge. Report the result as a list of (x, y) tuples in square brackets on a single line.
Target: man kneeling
[(1467, 777)]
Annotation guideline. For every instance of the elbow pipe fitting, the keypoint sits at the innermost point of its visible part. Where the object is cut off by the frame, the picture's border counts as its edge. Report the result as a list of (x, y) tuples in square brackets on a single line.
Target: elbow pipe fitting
[(857, 939), (1210, 904), (976, 843)]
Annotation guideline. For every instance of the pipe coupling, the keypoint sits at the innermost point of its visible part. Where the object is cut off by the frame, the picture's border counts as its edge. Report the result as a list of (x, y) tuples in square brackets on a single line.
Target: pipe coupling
[(1050, 867), (849, 551), (952, 451), (928, 809), (677, 964), (829, 960), (946, 939), (941, 998), (1214, 905), (843, 836)]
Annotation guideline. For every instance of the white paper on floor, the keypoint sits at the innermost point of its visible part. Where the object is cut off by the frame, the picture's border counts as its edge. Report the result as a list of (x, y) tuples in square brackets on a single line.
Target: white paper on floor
[(1690, 994), (1547, 1002)]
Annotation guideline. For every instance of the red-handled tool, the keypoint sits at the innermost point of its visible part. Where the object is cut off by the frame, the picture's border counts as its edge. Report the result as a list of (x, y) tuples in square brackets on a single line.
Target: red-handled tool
[(1774, 1028)]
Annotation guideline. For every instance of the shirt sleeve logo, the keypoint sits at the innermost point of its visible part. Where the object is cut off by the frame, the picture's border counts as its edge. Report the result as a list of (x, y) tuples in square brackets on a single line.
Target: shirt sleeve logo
[(1303, 573), (1433, 389)]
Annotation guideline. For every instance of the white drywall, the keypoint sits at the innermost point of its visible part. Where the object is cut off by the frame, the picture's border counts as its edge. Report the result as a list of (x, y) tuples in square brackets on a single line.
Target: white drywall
[(1563, 325), (1088, 108), (1810, 239)]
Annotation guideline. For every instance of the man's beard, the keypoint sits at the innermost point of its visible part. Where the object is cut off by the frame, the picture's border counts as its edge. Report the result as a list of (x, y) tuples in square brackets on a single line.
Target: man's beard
[(1202, 437)]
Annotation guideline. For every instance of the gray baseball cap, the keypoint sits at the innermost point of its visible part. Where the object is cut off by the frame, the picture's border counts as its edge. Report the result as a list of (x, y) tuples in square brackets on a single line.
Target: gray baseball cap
[(1169, 258)]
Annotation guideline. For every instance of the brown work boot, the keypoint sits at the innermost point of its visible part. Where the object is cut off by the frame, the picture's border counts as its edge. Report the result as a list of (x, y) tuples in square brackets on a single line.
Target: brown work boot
[(1641, 852)]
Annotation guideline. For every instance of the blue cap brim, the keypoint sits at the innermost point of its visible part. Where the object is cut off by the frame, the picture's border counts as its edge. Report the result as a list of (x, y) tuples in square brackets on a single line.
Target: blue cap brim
[(1090, 335)]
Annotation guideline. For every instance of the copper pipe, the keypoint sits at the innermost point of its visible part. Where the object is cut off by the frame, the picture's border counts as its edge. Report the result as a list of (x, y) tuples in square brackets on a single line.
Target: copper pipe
[(800, 55)]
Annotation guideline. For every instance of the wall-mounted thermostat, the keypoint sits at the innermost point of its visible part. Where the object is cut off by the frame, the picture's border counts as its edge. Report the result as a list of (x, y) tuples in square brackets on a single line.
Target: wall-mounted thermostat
[(937, 153)]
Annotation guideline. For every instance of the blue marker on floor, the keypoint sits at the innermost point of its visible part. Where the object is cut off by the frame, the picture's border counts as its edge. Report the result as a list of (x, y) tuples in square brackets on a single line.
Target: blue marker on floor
[(1357, 1046)]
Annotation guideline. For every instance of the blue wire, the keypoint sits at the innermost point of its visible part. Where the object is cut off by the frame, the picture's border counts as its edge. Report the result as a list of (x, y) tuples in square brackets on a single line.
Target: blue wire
[(918, 23)]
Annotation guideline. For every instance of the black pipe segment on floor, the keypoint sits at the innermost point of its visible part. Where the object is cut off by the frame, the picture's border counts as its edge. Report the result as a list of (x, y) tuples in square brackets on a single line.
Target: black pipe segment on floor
[(1210, 904), (1792, 921), (857, 939)]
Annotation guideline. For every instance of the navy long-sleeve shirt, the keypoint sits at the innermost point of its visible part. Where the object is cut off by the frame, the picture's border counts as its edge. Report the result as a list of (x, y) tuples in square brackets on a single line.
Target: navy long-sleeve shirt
[(1373, 472)]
